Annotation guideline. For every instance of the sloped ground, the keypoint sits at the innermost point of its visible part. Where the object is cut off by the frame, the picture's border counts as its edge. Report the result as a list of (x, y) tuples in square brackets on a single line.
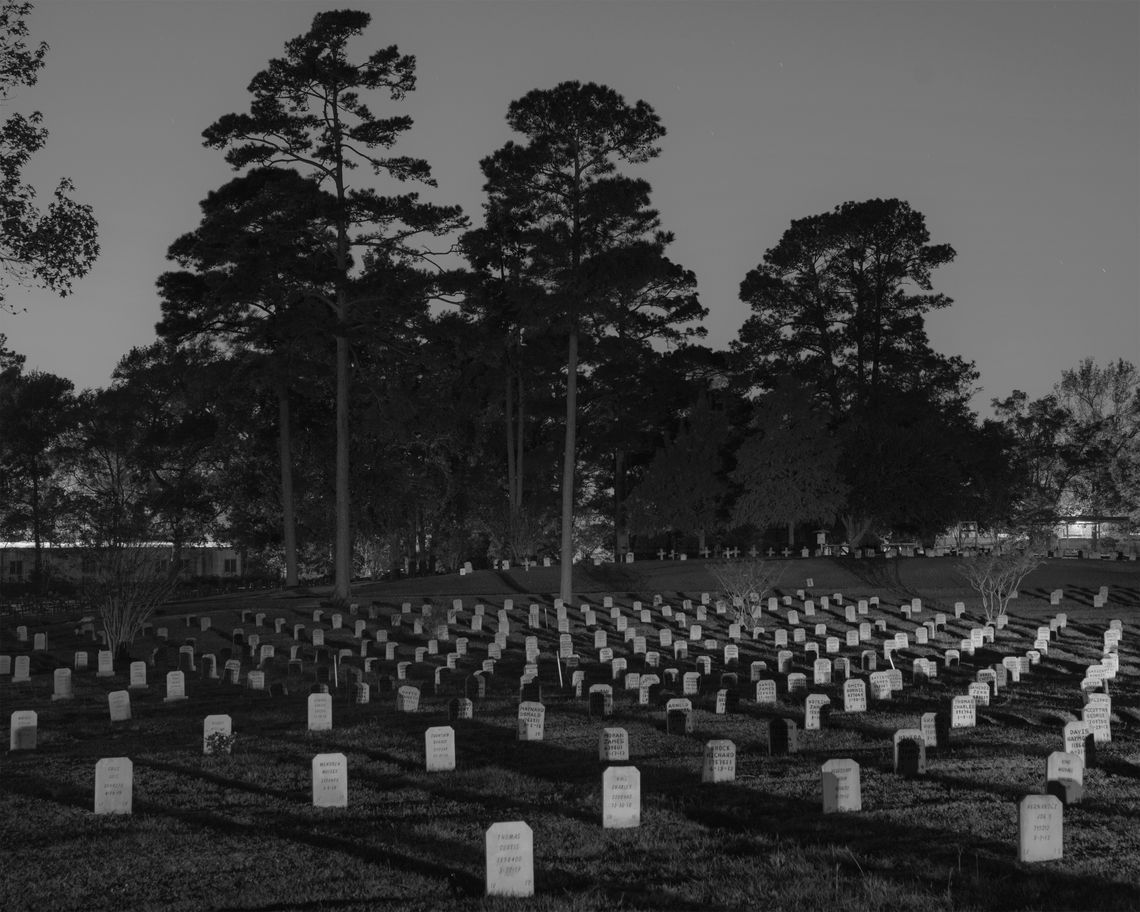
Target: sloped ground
[(240, 832)]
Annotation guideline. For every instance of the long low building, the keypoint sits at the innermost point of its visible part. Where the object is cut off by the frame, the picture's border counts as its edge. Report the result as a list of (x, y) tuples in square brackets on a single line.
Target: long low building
[(73, 561)]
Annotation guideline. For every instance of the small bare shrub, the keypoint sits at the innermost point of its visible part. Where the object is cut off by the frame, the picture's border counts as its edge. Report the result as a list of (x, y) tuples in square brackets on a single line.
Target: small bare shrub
[(996, 576), (126, 583), (746, 583)]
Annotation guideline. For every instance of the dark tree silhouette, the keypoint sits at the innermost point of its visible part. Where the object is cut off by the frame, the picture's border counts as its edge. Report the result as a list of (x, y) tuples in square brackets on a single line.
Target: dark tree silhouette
[(308, 112), (52, 247)]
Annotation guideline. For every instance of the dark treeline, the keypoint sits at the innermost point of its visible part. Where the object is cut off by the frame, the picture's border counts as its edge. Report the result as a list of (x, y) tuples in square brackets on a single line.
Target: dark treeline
[(349, 379)]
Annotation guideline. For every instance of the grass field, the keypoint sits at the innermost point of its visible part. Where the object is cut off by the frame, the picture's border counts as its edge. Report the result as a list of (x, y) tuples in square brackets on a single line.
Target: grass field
[(239, 832)]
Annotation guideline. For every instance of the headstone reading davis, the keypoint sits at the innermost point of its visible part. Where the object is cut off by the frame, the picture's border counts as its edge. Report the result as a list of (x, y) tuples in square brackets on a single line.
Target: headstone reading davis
[(114, 785), (510, 859)]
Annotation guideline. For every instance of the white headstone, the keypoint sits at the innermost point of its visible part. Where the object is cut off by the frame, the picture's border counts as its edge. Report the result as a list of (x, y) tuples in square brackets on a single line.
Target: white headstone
[(766, 691), (841, 787), (621, 797), (408, 699), (531, 721), (1074, 734), (1097, 715), (613, 745), (720, 762), (1062, 765), (439, 749), (62, 684), (963, 712), (23, 730), (175, 686), (510, 857), (215, 725), (854, 695), (812, 711), (320, 712), (1040, 835), (330, 779), (119, 704), (114, 785)]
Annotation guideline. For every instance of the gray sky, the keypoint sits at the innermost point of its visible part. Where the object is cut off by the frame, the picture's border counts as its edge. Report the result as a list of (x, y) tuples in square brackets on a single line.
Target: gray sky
[(1013, 126)]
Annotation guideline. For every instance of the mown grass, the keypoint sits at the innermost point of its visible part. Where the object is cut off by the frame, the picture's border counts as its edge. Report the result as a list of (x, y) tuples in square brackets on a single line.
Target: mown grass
[(240, 832)]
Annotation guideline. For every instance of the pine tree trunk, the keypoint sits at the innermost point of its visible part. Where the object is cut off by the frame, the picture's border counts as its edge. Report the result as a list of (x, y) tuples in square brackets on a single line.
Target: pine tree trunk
[(508, 412), (288, 517), (37, 539), (342, 553), (519, 443), (567, 551), (621, 526)]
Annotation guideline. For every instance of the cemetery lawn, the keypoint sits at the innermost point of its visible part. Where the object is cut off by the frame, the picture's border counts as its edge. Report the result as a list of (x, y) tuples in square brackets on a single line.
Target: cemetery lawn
[(240, 832)]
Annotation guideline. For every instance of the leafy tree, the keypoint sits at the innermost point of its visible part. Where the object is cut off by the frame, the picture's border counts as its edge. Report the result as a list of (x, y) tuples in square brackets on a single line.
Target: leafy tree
[(11, 363), (37, 410), (308, 112), (422, 439), (839, 303), (248, 270), (506, 306), (52, 247), (1076, 449), (163, 404), (683, 487), (988, 480), (914, 467), (838, 306), (1043, 457), (249, 480), (631, 388), (788, 467), (1103, 405), (144, 468), (996, 577), (589, 234)]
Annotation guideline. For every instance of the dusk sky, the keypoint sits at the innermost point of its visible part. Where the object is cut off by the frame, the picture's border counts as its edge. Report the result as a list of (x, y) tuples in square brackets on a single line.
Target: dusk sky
[(1014, 127)]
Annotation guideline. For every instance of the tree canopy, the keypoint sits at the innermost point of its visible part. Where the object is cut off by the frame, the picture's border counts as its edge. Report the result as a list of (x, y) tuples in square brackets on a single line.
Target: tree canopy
[(49, 247), (309, 112), (588, 235)]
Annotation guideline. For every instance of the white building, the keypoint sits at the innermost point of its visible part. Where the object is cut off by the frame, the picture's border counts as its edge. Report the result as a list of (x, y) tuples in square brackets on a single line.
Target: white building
[(72, 562)]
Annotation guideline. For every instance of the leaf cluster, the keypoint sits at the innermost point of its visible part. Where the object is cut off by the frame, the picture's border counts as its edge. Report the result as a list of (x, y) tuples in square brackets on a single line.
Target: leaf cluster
[(46, 247)]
